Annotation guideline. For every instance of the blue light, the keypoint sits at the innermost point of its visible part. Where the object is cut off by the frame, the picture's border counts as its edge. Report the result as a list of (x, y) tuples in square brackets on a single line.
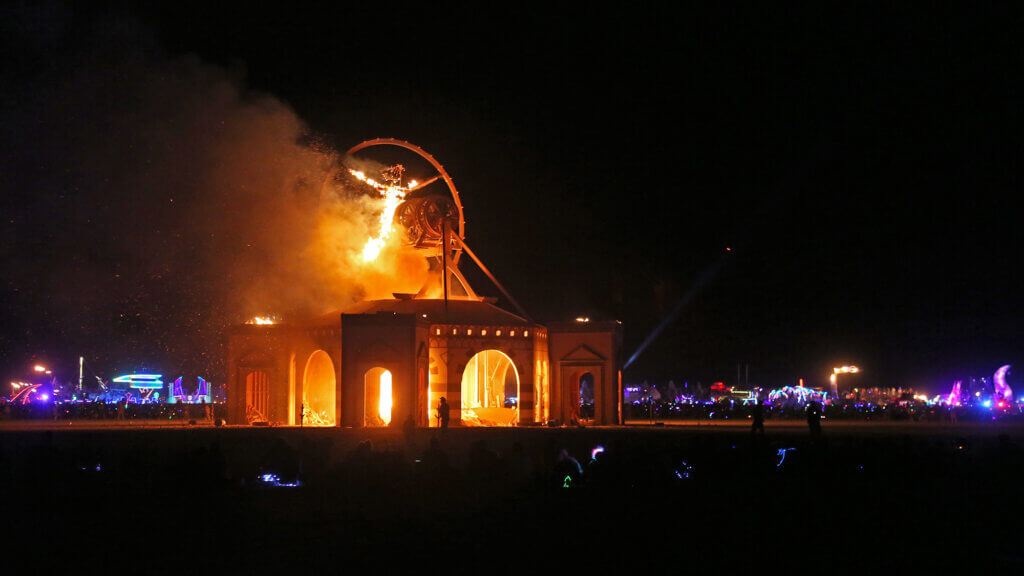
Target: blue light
[(782, 456), (275, 481), (141, 381), (683, 471)]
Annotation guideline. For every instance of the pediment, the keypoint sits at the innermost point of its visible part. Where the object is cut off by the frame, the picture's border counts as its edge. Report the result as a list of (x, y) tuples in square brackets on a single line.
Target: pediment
[(583, 353)]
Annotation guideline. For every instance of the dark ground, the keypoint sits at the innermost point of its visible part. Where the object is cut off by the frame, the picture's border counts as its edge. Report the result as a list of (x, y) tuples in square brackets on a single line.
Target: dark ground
[(187, 501)]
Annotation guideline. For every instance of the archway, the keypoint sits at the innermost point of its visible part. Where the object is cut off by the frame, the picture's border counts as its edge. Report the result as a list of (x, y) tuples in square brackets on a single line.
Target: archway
[(377, 397), (257, 396), (490, 390), (586, 396), (319, 386)]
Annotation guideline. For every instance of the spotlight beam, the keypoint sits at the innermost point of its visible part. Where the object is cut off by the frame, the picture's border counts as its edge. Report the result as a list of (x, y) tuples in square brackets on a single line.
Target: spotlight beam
[(669, 318)]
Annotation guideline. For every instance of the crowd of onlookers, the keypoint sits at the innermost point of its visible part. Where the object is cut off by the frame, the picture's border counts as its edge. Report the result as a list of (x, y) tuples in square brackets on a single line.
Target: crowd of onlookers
[(732, 409), (110, 411), (724, 410)]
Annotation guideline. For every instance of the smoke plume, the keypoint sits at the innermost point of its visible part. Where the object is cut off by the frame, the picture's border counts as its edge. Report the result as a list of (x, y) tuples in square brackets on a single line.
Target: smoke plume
[(152, 201)]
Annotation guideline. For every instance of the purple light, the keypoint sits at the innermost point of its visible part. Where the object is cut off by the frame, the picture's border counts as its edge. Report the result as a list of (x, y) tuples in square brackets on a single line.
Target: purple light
[(954, 395), (1002, 390)]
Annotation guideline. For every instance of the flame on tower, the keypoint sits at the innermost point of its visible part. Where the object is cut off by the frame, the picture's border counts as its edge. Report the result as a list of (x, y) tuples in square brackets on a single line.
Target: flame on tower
[(394, 193)]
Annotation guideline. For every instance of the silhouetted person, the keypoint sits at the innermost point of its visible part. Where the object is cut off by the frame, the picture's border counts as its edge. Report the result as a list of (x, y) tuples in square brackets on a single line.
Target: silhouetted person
[(567, 469), (758, 418), (443, 413), (814, 419), (518, 466), (408, 429), (435, 469)]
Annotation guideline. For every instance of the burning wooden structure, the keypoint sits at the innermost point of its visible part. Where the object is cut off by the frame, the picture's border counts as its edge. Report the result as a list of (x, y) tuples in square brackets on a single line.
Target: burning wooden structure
[(384, 362)]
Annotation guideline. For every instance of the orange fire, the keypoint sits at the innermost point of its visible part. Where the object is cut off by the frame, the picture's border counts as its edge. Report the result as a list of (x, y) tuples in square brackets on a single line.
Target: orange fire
[(261, 321), (393, 194)]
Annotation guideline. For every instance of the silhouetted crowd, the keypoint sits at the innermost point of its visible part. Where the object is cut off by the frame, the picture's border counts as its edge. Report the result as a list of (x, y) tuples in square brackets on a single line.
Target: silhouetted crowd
[(907, 411), (110, 411)]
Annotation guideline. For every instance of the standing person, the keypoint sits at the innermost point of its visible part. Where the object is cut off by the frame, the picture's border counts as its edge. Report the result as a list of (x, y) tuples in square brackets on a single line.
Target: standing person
[(443, 413), (758, 415), (814, 419), (409, 430)]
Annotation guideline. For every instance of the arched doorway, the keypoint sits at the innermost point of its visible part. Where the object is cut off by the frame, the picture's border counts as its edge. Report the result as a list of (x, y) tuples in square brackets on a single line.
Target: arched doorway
[(257, 396), (319, 386), (377, 397), (586, 396), (490, 390)]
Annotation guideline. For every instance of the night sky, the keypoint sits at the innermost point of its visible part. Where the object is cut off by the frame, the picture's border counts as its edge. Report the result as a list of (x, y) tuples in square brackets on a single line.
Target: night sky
[(848, 172)]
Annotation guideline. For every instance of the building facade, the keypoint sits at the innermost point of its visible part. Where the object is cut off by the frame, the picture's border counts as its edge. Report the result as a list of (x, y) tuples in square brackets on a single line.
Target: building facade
[(388, 362), (383, 362)]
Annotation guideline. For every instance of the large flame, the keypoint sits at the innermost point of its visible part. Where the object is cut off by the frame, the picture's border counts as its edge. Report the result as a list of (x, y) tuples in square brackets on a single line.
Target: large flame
[(393, 195)]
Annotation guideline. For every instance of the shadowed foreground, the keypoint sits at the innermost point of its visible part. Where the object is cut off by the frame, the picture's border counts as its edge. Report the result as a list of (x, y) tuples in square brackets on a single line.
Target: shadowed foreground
[(170, 500)]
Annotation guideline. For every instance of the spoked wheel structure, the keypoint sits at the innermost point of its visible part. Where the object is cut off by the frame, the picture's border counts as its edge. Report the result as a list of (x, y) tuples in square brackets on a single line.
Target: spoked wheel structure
[(435, 223), (427, 216)]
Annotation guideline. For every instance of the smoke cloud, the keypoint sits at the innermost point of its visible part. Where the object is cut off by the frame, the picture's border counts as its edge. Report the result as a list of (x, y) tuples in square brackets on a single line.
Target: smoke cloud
[(152, 201)]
